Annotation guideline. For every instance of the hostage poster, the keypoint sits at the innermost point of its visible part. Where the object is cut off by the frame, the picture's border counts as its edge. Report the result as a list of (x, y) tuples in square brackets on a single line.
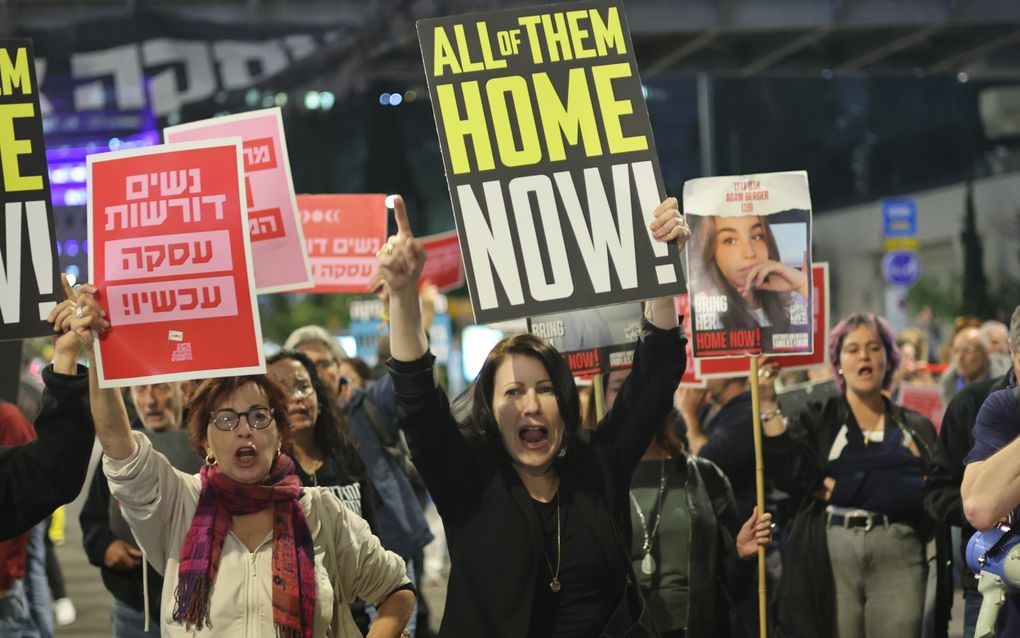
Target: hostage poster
[(549, 157), (29, 271), (171, 257), (594, 340), (749, 263)]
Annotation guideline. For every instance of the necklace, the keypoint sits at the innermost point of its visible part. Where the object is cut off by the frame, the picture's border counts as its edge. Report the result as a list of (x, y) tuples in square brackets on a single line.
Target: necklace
[(648, 563), (554, 584)]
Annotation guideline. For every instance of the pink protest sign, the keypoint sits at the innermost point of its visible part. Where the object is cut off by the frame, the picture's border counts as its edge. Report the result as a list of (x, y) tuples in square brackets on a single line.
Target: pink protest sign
[(443, 266), (172, 260), (344, 232), (277, 239)]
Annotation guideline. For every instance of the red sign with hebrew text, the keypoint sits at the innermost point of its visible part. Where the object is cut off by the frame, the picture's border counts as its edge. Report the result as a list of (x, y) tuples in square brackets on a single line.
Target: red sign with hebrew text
[(171, 256), (343, 233)]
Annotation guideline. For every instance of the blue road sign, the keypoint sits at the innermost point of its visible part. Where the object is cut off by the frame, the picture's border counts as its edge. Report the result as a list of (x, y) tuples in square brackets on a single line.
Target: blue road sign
[(901, 268), (899, 217)]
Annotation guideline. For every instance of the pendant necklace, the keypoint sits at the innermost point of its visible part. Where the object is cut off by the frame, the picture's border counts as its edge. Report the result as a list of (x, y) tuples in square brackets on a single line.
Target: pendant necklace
[(648, 563), (554, 584)]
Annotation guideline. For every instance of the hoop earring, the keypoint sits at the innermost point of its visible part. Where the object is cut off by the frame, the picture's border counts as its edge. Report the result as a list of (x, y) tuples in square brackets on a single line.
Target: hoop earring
[(210, 460)]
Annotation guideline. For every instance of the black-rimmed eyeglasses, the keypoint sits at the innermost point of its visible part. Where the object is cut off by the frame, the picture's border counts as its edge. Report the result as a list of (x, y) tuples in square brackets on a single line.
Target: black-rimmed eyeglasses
[(227, 420)]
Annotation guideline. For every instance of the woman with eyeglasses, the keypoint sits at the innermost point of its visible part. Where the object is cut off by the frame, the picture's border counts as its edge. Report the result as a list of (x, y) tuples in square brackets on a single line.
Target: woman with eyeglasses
[(244, 549)]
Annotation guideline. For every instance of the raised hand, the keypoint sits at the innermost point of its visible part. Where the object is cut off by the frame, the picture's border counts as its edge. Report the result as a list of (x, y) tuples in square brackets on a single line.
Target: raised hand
[(402, 258), (755, 532), (669, 225), (75, 317)]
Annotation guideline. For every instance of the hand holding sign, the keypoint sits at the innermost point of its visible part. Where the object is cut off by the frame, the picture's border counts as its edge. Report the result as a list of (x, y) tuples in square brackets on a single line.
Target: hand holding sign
[(77, 316), (669, 225), (402, 258)]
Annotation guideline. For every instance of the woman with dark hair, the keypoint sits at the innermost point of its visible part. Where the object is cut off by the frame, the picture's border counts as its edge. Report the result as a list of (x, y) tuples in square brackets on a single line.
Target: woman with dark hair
[(244, 548), (857, 557), (739, 257), (689, 550), (536, 515), (318, 443)]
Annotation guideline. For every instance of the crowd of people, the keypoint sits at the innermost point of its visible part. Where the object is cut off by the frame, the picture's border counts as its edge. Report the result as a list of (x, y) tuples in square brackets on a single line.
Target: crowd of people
[(292, 503)]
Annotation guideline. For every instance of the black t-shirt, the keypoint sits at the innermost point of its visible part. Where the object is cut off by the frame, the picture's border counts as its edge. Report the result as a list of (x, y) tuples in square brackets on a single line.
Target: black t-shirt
[(347, 480), (588, 593)]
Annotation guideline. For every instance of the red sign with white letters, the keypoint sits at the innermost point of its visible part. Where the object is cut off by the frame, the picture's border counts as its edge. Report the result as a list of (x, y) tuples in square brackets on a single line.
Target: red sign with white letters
[(171, 257), (343, 233)]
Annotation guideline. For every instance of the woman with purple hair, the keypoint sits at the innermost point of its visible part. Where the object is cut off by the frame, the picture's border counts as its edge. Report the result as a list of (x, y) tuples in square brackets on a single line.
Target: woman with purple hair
[(856, 558)]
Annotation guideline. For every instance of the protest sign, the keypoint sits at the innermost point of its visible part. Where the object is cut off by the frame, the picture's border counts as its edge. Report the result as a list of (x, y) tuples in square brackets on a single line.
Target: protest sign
[(692, 373), (171, 256), (29, 270), (924, 399), (344, 232), (720, 367), (749, 264), (366, 325), (277, 240), (442, 264), (594, 340), (549, 157)]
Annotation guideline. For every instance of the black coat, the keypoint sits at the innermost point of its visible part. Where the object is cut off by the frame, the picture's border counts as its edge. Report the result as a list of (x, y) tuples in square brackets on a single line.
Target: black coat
[(719, 581), (38, 477), (492, 530), (806, 607)]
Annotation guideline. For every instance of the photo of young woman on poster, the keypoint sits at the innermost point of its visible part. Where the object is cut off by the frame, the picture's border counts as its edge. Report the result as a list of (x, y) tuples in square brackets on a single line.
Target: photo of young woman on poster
[(739, 275)]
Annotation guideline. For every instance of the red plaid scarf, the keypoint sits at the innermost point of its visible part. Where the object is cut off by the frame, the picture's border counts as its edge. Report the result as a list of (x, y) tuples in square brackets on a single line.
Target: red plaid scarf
[(293, 582)]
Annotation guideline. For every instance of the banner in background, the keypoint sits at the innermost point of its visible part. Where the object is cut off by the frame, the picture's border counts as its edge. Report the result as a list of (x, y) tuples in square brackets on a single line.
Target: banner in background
[(277, 240), (550, 158), (366, 325), (29, 271), (592, 341), (749, 261), (710, 368), (344, 232), (171, 256), (442, 265)]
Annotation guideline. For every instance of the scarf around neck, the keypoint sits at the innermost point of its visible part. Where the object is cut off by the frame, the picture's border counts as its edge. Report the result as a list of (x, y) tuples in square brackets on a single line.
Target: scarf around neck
[(293, 579)]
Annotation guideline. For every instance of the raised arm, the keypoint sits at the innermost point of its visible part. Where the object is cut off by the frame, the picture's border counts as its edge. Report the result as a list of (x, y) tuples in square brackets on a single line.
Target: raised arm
[(400, 262), (107, 405)]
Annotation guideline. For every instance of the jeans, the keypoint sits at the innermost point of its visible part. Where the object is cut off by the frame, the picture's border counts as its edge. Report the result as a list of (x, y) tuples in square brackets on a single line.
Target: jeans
[(412, 622), (15, 620), (37, 589), (971, 609), (880, 578), (130, 623)]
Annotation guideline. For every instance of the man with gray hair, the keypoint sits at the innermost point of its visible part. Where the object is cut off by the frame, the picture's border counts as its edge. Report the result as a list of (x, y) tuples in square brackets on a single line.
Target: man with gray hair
[(971, 363), (942, 498)]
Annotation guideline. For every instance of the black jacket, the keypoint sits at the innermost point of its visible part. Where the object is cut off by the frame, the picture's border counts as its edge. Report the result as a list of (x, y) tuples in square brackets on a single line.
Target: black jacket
[(806, 607), (719, 581), (942, 498), (731, 446), (493, 531), (38, 477)]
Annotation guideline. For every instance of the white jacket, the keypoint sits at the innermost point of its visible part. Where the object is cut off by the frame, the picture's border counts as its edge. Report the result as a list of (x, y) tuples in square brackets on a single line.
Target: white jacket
[(159, 503)]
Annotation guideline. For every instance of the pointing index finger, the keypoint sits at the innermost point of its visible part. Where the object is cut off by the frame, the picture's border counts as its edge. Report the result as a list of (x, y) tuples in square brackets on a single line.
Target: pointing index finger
[(68, 290), (400, 213)]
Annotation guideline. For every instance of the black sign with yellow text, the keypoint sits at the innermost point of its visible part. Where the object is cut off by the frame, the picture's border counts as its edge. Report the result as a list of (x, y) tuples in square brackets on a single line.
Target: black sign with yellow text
[(549, 157), (29, 271)]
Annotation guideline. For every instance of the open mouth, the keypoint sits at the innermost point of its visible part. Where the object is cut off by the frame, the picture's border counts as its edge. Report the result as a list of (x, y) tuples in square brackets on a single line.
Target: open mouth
[(866, 372), (534, 437), (246, 456)]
